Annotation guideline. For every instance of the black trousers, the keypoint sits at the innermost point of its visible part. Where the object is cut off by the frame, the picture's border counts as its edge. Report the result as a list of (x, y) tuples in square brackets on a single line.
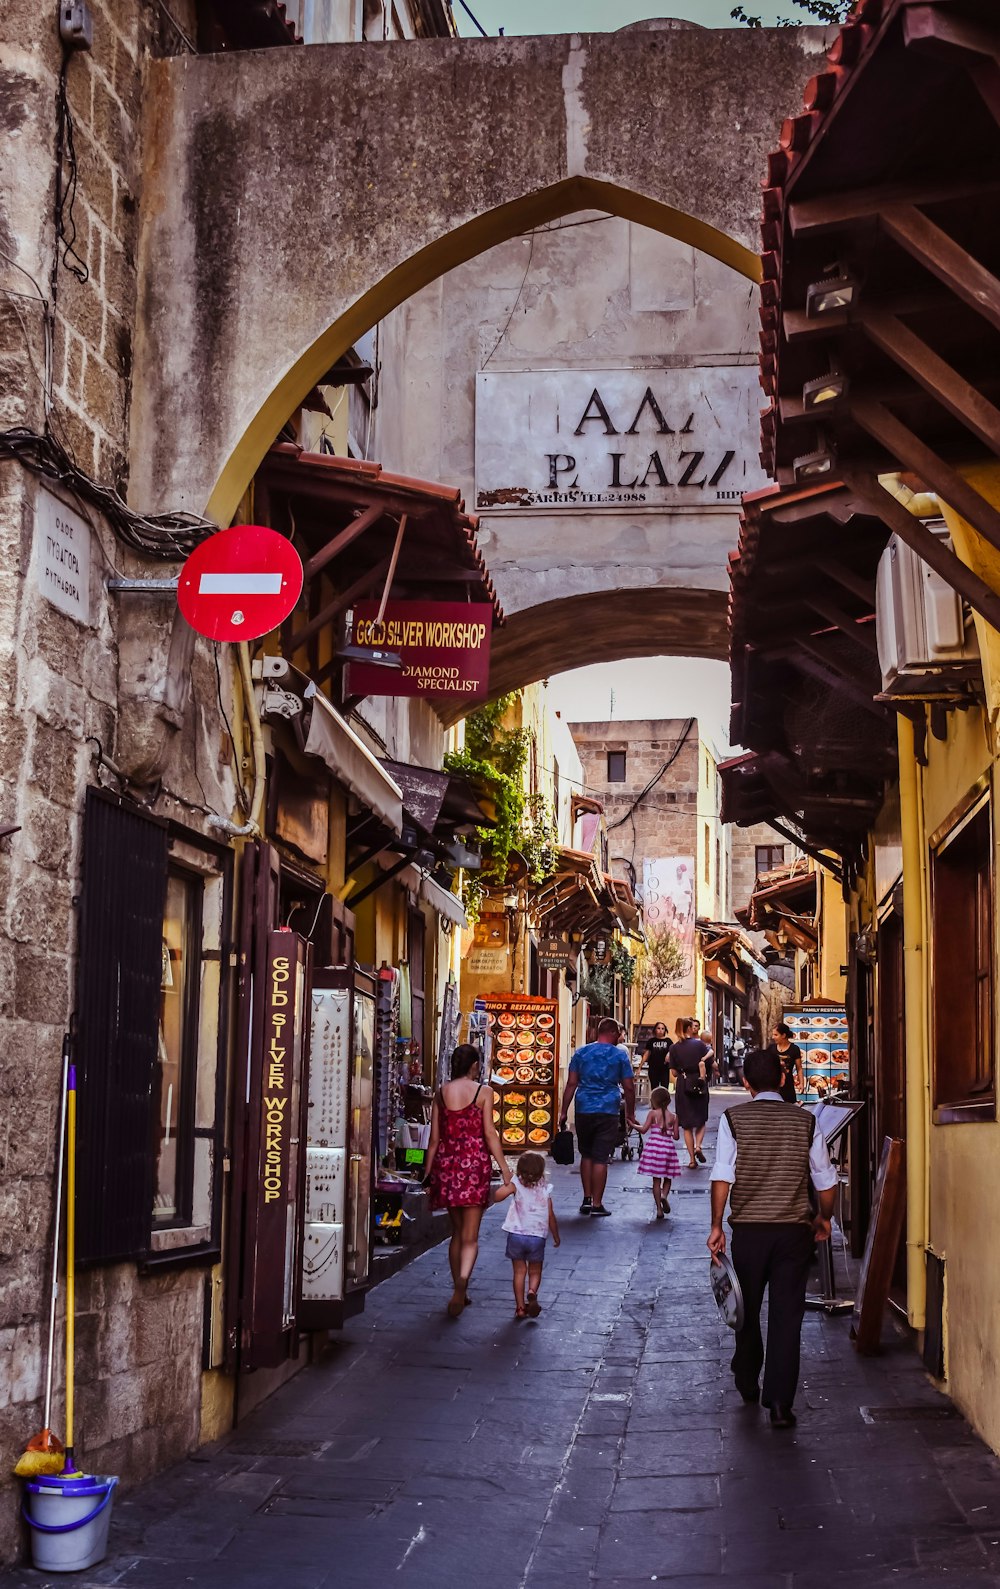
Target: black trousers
[(775, 1258)]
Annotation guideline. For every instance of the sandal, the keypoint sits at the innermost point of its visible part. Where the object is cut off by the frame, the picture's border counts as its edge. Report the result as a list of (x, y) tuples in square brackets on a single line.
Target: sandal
[(520, 1313), (456, 1307), (532, 1305)]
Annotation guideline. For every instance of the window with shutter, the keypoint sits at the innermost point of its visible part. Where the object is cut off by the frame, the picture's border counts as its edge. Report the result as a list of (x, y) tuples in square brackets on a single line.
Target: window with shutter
[(118, 1003), (962, 968)]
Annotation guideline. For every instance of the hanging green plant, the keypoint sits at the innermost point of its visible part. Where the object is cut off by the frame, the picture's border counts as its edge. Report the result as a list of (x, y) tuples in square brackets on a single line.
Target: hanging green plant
[(622, 963), (598, 988), (495, 759)]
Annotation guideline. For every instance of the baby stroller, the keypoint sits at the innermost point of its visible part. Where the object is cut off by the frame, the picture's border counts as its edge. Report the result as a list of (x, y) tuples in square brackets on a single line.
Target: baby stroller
[(629, 1146)]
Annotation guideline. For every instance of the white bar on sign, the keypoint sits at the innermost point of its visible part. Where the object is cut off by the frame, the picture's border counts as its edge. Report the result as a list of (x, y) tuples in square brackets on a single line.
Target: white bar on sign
[(240, 585)]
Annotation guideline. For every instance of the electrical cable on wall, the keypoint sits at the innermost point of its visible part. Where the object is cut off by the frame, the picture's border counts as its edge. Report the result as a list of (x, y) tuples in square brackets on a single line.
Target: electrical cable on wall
[(513, 307), (640, 797), (170, 536), (66, 188)]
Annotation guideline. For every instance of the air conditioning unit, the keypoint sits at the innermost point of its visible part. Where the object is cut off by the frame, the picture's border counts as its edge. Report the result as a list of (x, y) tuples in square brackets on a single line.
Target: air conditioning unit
[(927, 642)]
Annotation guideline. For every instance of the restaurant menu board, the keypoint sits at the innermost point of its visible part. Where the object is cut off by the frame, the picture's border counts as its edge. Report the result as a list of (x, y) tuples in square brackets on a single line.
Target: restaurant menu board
[(524, 1068), (820, 1030)]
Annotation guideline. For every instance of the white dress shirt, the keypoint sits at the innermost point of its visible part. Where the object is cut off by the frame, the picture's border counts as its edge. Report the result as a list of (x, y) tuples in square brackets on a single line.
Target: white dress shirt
[(821, 1171)]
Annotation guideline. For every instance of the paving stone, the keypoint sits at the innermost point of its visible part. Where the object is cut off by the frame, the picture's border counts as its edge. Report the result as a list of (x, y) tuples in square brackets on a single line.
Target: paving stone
[(602, 1447)]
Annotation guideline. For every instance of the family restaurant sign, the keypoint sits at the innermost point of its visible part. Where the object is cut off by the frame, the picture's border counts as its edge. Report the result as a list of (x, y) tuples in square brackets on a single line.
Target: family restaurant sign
[(676, 439), (444, 647)]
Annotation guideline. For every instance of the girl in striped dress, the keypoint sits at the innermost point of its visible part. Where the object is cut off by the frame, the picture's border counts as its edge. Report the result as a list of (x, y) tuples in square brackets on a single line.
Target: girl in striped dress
[(659, 1155)]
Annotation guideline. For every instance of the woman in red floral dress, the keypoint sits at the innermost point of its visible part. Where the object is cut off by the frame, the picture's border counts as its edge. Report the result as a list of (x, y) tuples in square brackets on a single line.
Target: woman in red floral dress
[(463, 1141)]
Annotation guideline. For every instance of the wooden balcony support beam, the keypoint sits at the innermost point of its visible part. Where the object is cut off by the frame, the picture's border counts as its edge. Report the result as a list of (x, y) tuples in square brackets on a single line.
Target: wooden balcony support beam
[(343, 540), (915, 534), (929, 28), (862, 635), (361, 586), (911, 453), (835, 210), (930, 246), (935, 375)]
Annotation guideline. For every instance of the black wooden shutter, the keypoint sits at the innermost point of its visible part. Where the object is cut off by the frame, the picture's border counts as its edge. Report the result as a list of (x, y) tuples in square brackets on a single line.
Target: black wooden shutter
[(118, 1006)]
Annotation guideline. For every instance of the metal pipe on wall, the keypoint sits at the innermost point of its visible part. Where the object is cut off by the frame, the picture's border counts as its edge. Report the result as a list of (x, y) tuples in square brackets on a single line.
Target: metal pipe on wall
[(915, 1007)]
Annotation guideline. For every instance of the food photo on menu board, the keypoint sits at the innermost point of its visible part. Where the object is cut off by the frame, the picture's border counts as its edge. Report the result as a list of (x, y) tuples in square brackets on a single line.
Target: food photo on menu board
[(821, 1033), (523, 1073)]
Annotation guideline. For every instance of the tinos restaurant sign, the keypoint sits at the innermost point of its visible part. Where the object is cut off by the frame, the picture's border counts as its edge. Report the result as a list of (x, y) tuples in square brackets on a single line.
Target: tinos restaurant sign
[(681, 439), (444, 647)]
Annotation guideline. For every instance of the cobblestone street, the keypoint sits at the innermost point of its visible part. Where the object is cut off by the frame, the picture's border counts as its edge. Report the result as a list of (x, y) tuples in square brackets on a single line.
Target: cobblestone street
[(600, 1445)]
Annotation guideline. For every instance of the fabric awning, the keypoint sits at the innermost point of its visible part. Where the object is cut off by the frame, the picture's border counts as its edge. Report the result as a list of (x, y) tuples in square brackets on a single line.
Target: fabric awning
[(440, 899), (440, 802), (350, 761)]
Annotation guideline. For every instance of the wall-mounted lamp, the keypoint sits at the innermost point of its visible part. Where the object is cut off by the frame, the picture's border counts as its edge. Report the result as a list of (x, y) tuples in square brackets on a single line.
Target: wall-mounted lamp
[(374, 659), (833, 295), (813, 466), (826, 391)]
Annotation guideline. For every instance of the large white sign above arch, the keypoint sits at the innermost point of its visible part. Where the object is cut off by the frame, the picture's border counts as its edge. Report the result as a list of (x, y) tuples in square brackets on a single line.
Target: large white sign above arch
[(682, 439)]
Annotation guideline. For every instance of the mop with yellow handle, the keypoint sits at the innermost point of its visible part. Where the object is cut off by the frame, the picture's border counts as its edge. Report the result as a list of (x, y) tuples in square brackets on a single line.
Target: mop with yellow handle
[(70, 1466), (44, 1452)]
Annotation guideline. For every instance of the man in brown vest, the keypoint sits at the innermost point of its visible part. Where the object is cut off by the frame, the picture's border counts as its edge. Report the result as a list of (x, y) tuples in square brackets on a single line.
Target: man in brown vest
[(767, 1153)]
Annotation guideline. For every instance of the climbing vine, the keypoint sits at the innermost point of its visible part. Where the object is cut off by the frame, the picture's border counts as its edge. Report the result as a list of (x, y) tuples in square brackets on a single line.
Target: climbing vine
[(494, 759)]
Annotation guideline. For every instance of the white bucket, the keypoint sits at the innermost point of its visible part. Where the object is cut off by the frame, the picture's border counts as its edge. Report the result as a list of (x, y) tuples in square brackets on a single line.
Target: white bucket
[(69, 1516)]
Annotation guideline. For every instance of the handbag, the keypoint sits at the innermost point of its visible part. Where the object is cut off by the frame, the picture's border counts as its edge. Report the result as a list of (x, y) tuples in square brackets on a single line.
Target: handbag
[(562, 1150), (695, 1088)]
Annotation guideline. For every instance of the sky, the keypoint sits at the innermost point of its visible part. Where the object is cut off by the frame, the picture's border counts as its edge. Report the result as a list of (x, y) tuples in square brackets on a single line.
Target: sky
[(600, 16), (647, 687)]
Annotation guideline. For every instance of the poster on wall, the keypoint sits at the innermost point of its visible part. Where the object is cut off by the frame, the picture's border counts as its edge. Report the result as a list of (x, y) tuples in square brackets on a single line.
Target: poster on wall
[(669, 906)]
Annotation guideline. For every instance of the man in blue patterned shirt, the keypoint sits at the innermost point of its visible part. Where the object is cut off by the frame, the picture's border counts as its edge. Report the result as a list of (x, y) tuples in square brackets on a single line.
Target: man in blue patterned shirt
[(598, 1074)]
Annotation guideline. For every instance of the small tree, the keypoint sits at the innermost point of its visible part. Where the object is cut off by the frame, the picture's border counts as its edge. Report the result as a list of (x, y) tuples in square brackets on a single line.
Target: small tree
[(822, 10), (661, 963)]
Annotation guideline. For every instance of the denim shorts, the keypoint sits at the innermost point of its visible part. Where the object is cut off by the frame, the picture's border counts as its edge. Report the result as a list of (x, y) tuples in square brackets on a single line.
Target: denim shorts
[(527, 1249)]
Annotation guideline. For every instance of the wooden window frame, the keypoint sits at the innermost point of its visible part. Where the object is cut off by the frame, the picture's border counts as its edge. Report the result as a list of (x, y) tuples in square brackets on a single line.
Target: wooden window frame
[(769, 850), (186, 1125), (972, 1098), (204, 861)]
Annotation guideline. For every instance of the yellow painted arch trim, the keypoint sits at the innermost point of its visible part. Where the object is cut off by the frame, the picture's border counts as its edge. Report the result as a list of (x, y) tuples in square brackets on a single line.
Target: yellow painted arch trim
[(454, 248)]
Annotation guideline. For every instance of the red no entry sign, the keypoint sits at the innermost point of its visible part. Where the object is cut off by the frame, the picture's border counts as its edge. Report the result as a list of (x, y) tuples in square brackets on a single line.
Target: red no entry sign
[(240, 584)]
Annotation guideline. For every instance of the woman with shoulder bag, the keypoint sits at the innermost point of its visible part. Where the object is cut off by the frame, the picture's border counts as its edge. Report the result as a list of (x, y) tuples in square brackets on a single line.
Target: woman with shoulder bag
[(689, 1060)]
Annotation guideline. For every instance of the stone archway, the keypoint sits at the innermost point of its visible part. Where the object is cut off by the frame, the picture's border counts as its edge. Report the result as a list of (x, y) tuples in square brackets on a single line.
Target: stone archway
[(306, 193), (607, 626)]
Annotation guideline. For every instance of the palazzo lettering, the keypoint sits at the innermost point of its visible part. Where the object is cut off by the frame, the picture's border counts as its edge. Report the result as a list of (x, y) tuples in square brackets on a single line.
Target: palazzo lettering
[(683, 439)]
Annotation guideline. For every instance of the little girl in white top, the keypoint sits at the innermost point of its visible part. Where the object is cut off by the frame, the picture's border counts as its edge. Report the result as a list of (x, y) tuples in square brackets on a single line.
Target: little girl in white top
[(529, 1220)]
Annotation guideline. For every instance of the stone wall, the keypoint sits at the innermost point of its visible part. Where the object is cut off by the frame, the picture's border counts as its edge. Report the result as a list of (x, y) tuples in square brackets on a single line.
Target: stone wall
[(666, 820), (139, 1339)]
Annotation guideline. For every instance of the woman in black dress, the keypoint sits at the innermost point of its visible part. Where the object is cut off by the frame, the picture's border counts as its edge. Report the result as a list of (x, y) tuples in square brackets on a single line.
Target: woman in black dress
[(689, 1062), (793, 1079), (654, 1056)]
